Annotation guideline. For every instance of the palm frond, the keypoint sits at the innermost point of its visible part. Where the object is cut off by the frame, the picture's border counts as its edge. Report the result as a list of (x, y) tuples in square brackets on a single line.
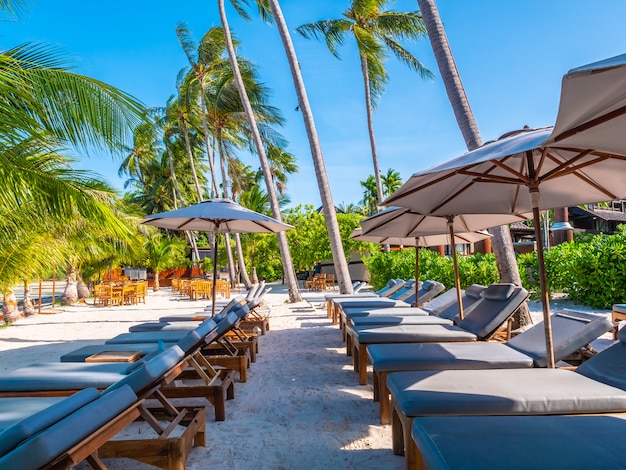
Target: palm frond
[(333, 32)]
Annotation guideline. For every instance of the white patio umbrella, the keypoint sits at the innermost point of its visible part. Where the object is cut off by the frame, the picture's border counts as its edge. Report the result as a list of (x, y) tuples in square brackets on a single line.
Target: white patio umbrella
[(404, 222), (216, 216), (580, 160)]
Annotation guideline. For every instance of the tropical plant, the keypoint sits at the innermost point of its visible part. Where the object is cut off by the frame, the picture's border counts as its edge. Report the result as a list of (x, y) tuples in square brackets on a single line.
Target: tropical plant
[(375, 31), (328, 206), (288, 269), (163, 253), (501, 241)]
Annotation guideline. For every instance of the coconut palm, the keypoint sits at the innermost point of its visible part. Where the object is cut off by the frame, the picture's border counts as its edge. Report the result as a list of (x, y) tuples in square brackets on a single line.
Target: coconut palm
[(375, 32), (501, 241), (288, 269), (339, 259)]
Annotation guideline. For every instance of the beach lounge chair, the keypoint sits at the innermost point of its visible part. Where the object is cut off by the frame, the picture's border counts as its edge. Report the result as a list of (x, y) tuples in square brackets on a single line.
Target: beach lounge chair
[(200, 316), (236, 354), (427, 291), (65, 378), (150, 380), (441, 310), (493, 442), (338, 303), (498, 303), (62, 432), (572, 331), (384, 293), (596, 386)]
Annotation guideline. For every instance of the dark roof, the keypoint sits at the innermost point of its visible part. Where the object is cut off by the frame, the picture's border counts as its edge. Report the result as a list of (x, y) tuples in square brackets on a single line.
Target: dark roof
[(520, 227), (604, 214)]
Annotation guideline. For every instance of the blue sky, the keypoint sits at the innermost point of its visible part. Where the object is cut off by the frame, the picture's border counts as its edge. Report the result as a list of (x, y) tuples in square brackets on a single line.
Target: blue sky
[(511, 56)]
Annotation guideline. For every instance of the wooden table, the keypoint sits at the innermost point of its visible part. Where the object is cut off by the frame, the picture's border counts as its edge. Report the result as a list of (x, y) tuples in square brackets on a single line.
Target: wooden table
[(114, 356)]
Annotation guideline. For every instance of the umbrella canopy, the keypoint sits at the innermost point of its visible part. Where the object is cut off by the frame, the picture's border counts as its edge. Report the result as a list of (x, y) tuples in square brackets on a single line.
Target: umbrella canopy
[(217, 216), (539, 169), (425, 240), (403, 222)]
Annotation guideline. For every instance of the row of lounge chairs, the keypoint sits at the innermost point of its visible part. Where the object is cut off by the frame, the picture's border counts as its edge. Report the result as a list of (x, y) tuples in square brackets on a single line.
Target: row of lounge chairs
[(55, 415), (441, 384)]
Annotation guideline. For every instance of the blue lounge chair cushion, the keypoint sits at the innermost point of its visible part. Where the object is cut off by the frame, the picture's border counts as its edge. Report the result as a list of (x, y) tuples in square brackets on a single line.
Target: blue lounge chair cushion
[(481, 442), (502, 392), (571, 330), (445, 356), (150, 373), (469, 297), (608, 366), (499, 302), (399, 320), (620, 308), (61, 436), (411, 334), (64, 376), (499, 291), (36, 413)]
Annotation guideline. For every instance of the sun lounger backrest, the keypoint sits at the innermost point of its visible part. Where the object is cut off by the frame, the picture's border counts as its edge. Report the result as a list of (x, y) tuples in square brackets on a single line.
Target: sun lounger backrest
[(440, 303), (190, 341), (407, 290), (470, 298), (233, 303), (390, 283), (25, 428), (252, 291), (428, 291), (499, 302), (571, 330), (393, 289), (55, 440), (150, 372), (608, 366)]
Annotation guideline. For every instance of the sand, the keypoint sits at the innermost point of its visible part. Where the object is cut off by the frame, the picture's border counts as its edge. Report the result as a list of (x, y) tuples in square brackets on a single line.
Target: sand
[(302, 406)]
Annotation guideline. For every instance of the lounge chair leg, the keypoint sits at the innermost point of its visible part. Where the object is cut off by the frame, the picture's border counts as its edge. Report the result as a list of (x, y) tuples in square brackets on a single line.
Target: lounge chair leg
[(383, 396), (397, 439), (95, 462), (362, 364), (375, 386)]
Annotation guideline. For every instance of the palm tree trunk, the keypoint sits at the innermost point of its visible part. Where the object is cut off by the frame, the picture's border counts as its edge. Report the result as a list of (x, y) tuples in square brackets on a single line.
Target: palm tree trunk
[(156, 286), (370, 128), (242, 262), (288, 269), (178, 196), (10, 312), (192, 165), (501, 241), (70, 294), (28, 308), (229, 250), (336, 246), (205, 128)]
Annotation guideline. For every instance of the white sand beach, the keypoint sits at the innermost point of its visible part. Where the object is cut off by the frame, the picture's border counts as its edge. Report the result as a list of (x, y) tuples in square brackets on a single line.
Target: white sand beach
[(301, 407)]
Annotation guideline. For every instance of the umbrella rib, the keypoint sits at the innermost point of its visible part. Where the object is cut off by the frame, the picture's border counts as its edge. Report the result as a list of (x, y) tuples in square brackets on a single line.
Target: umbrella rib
[(453, 196), (586, 179), (422, 187), (395, 216), (589, 124)]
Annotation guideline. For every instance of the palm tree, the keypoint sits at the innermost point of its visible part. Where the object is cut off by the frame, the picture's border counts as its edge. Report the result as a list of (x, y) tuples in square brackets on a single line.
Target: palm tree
[(45, 109), (374, 31), (163, 253), (330, 215), (391, 182), (501, 241), (288, 269), (370, 199)]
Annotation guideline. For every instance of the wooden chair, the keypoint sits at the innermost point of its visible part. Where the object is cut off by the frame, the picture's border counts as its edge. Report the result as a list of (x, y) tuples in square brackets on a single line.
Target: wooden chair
[(142, 291)]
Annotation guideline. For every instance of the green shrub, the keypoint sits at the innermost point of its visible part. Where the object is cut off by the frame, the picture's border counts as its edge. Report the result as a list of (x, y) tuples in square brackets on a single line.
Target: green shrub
[(477, 269)]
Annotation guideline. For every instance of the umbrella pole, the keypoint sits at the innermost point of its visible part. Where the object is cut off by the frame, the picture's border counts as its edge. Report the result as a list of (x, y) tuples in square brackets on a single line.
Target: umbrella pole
[(213, 289), (543, 284), (417, 271), (455, 263)]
